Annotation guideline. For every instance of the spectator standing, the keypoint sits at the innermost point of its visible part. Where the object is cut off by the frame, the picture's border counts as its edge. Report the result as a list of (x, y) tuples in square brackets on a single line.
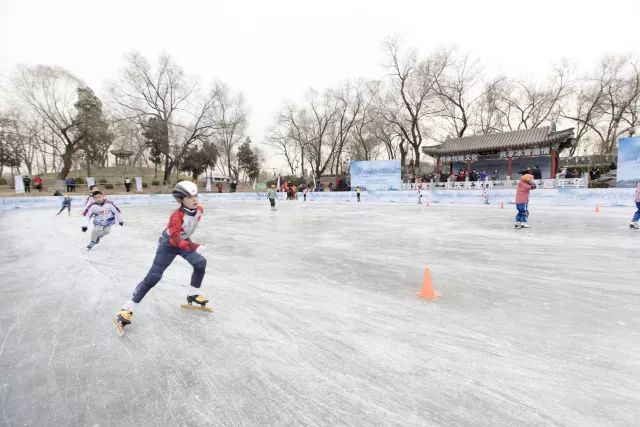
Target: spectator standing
[(38, 183), (27, 184), (537, 173)]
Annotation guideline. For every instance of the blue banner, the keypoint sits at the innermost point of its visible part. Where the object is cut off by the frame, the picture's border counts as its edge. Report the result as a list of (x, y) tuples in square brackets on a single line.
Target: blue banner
[(376, 175), (628, 174)]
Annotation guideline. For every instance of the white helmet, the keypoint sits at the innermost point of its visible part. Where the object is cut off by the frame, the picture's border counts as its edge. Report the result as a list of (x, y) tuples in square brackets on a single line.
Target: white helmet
[(185, 189)]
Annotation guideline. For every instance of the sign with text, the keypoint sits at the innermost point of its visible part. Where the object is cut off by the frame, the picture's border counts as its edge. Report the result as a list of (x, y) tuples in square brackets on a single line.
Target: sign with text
[(376, 175), (628, 173), (19, 184)]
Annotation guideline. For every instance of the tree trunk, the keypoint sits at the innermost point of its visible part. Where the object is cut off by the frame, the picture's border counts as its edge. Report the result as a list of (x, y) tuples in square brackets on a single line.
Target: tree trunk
[(168, 167), (416, 152), (67, 158), (44, 161)]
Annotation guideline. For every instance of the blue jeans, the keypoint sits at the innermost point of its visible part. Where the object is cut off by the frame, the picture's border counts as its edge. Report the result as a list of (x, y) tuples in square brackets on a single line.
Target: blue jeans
[(636, 216), (164, 257), (523, 212)]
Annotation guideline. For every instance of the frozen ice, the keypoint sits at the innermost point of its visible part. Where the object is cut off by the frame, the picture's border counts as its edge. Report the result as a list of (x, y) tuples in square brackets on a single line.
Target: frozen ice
[(317, 321)]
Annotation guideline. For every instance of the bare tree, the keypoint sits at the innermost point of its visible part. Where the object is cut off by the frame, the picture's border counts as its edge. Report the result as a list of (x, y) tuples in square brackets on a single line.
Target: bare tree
[(50, 93), (412, 95), (167, 94), (527, 105), (280, 139), (487, 114), (456, 90), (231, 121), (322, 112), (606, 103), (348, 101), (366, 142)]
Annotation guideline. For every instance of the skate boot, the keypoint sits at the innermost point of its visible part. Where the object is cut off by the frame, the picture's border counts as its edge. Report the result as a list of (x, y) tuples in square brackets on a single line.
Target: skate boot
[(198, 299), (525, 225), (518, 225), (91, 244), (634, 225), (122, 319)]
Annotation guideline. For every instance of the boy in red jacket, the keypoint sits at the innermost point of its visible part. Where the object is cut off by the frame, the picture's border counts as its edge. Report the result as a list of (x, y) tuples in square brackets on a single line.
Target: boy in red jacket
[(175, 240), (525, 185)]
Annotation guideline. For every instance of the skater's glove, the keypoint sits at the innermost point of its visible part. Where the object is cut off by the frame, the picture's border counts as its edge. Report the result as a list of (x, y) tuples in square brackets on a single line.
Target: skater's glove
[(201, 249), (121, 224), (84, 229)]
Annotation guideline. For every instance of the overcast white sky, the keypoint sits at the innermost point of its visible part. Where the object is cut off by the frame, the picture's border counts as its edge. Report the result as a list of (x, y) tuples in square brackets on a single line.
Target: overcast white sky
[(275, 50)]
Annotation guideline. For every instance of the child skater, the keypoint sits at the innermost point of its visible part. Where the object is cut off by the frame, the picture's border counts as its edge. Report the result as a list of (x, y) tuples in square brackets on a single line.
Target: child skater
[(90, 196), (104, 213), (271, 194), (175, 240), (66, 203), (525, 185), (636, 216)]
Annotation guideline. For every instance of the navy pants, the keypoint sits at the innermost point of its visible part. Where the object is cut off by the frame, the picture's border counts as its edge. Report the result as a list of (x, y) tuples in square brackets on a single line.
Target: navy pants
[(165, 255), (636, 216), (523, 212)]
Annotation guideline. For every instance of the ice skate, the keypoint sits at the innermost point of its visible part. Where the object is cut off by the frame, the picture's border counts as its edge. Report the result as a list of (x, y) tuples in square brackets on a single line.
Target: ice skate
[(91, 245), (525, 225), (518, 225), (634, 225), (122, 319), (198, 299)]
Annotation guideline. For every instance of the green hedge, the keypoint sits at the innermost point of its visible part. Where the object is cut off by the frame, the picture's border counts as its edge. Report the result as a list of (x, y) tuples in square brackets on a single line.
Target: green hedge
[(155, 182), (3, 181), (108, 186)]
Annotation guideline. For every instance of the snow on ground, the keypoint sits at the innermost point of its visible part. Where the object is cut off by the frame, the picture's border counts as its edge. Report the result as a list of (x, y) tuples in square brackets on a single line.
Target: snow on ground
[(316, 319)]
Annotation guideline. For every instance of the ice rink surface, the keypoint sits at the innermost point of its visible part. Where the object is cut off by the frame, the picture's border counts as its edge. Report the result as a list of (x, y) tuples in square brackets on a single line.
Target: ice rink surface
[(317, 322)]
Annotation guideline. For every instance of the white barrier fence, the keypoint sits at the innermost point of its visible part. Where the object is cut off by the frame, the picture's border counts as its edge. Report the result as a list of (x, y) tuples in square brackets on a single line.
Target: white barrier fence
[(543, 196), (510, 183)]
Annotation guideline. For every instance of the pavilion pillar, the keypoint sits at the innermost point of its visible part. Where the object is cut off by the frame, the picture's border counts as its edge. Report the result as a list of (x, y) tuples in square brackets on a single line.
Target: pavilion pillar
[(468, 167), (509, 167), (554, 163), (437, 164)]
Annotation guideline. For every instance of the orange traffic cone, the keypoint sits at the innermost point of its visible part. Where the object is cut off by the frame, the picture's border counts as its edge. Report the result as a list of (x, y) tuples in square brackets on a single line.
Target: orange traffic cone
[(501, 205), (597, 207), (427, 287)]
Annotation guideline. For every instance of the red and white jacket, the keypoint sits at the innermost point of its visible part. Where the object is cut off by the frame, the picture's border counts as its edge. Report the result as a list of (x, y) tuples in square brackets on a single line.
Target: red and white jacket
[(182, 224)]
